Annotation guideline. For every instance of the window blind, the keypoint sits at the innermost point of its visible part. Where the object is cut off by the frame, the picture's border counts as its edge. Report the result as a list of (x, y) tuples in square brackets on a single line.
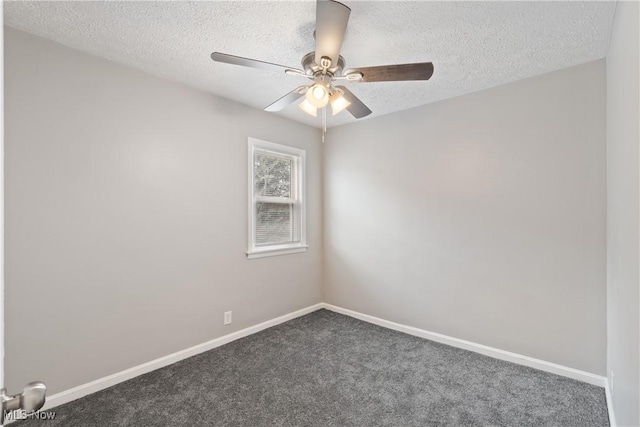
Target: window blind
[(276, 210)]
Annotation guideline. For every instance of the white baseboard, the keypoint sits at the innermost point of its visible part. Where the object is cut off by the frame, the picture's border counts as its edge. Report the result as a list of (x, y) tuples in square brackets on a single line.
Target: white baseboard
[(111, 380), (108, 381), (607, 391), (478, 348)]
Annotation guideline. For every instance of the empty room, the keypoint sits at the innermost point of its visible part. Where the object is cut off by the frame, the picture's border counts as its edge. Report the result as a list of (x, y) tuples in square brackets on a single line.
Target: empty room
[(320, 213)]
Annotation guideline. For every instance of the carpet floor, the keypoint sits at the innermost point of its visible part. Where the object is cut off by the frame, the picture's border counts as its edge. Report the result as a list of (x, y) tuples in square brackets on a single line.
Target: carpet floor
[(326, 369)]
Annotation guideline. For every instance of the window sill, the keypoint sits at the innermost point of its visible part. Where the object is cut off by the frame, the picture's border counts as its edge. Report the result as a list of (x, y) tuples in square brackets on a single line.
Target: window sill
[(261, 253)]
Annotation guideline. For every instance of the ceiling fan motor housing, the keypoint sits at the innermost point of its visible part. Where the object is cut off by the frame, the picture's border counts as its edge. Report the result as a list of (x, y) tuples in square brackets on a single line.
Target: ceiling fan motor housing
[(310, 67)]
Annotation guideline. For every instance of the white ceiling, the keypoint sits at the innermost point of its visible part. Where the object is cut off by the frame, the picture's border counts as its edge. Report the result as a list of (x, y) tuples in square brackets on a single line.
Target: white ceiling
[(473, 45)]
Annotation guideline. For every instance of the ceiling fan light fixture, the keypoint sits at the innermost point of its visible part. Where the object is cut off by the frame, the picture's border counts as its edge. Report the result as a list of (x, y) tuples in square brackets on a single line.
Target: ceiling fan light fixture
[(308, 108), (318, 95), (338, 103)]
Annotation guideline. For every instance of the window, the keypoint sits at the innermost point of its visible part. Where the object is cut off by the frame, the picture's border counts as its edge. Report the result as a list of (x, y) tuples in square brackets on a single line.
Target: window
[(276, 199)]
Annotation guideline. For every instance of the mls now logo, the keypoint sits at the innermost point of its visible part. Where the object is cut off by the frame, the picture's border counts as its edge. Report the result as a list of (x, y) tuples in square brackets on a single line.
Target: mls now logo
[(21, 414)]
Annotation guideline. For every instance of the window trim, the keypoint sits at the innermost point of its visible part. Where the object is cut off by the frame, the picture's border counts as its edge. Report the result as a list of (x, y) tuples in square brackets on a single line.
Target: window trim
[(254, 251)]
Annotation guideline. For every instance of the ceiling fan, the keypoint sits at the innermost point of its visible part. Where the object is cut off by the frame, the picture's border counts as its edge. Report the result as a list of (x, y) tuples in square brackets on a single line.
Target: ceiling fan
[(325, 66)]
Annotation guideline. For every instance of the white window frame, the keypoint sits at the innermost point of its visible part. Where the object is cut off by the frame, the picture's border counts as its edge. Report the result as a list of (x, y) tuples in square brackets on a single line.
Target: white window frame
[(298, 185)]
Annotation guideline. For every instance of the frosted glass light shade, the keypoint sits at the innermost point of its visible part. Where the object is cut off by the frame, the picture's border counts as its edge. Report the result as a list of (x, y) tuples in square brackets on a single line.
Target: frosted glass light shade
[(338, 103), (318, 95), (308, 108)]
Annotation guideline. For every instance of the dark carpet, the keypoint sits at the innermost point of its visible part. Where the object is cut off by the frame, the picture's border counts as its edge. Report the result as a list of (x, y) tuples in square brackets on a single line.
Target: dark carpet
[(326, 369)]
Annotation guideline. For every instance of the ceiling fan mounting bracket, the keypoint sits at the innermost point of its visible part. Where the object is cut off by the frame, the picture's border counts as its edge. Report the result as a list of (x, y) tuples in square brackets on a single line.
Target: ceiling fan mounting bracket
[(325, 62)]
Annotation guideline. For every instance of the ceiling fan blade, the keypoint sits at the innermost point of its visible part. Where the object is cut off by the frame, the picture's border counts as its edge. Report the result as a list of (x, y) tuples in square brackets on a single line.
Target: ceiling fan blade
[(331, 24), (394, 73), (357, 107), (288, 99), (246, 62)]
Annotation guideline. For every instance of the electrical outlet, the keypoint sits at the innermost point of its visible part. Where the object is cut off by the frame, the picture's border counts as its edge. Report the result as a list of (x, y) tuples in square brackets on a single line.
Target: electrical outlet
[(227, 317)]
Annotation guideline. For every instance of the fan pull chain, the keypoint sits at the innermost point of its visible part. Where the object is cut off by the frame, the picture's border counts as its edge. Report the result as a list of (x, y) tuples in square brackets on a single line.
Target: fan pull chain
[(324, 123)]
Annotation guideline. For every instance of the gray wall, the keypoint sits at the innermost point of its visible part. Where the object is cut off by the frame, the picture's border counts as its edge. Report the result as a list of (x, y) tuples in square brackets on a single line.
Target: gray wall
[(480, 217), (623, 137), (126, 217)]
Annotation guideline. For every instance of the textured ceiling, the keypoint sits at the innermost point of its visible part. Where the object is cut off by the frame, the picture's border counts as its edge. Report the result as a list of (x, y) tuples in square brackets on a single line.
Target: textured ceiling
[(473, 45)]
